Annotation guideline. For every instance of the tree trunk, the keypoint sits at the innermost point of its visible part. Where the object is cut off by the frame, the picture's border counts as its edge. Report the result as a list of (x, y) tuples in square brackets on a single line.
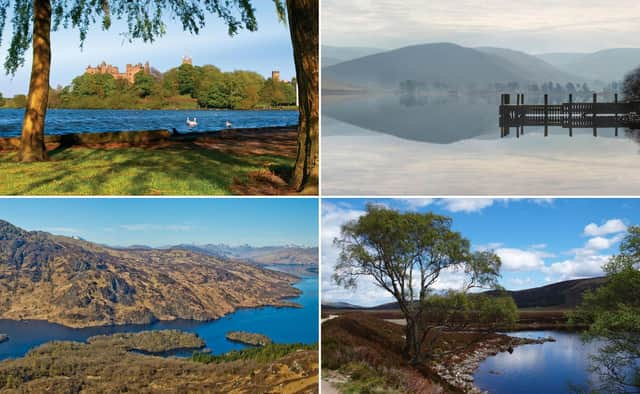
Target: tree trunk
[(32, 140), (304, 26)]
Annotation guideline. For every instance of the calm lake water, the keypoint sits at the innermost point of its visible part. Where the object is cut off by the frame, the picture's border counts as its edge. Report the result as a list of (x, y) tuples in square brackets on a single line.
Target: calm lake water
[(547, 368), (384, 145), (282, 325), (65, 121)]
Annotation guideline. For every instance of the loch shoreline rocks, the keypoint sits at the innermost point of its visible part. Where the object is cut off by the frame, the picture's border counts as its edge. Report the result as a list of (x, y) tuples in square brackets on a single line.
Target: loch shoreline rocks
[(458, 370)]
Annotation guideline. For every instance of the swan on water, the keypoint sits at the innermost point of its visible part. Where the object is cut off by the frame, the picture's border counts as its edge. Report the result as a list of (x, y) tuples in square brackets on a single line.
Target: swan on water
[(229, 124), (192, 123)]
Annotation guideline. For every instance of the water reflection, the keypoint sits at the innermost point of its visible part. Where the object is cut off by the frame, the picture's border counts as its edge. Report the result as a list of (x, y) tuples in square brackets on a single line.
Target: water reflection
[(452, 146), (552, 367), (438, 118)]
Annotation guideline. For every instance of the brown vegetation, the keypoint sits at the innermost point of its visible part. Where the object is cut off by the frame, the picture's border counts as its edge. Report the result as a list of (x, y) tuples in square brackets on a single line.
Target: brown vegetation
[(105, 365), (79, 284), (369, 351), (248, 338)]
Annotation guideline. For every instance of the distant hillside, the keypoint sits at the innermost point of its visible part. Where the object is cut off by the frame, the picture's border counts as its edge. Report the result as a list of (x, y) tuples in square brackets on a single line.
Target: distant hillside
[(79, 284), (340, 305), (333, 55), (536, 68), (607, 65), (444, 63), (267, 255), (566, 294)]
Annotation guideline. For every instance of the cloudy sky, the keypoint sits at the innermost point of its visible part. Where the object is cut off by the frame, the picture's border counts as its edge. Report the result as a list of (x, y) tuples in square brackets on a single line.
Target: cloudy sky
[(535, 26), (160, 222), (263, 51), (538, 241)]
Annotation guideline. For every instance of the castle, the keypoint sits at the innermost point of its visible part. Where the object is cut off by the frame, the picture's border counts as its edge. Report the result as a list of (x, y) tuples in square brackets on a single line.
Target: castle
[(128, 75)]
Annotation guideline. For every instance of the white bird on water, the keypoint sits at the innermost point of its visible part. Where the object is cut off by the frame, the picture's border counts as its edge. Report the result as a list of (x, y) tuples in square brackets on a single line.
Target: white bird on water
[(229, 124), (192, 123)]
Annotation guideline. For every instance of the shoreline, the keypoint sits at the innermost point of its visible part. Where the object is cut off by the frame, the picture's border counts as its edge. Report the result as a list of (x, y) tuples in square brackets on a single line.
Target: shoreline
[(284, 302), (458, 371), (144, 138)]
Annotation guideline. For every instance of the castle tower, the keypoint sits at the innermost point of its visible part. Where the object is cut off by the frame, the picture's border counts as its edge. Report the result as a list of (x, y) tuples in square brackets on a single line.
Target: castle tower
[(275, 75), (187, 60), (147, 68)]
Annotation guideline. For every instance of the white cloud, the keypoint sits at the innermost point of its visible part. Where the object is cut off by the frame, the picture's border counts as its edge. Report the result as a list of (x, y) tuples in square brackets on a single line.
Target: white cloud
[(157, 227), (521, 260), (415, 203), (466, 204), (601, 243), (612, 226), (579, 267)]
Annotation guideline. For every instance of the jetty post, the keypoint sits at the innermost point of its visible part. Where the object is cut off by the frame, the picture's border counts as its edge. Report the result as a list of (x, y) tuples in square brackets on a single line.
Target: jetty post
[(546, 115), (570, 114), (518, 114), (615, 100), (593, 108), (522, 126)]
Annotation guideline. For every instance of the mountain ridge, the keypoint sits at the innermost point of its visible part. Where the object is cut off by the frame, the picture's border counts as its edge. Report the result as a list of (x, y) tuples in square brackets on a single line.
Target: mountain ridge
[(80, 284), (444, 63)]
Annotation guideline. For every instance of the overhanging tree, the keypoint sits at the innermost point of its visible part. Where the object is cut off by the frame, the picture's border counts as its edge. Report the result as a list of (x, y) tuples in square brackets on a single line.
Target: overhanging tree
[(613, 315), (33, 20), (405, 254)]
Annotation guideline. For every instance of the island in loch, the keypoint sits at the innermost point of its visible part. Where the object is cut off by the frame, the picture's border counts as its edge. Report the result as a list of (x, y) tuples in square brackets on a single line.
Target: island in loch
[(92, 287)]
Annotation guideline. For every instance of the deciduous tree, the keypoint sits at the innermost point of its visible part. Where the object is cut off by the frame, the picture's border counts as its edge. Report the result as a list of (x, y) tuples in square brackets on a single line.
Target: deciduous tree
[(405, 254), (613, 315)]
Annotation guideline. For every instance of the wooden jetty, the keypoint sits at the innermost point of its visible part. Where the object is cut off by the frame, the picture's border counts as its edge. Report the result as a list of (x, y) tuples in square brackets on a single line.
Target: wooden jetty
[(570, 115)]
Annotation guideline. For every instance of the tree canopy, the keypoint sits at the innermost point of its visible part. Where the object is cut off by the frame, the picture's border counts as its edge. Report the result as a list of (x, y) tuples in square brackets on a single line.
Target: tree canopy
[(631, 86), (405, 254), (144, 19), (182, 87), (613, 315)]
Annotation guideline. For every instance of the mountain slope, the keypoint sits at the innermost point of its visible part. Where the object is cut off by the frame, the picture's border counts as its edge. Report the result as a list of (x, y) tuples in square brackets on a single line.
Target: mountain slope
[(607, 65), (567, 294), (535, 68), (79, 284), (267, 255), (333, 55), (445, 63)]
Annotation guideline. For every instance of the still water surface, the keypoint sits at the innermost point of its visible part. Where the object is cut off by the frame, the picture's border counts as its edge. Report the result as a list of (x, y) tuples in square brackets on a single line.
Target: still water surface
[(551, 367), (384, 145), (282, 325)]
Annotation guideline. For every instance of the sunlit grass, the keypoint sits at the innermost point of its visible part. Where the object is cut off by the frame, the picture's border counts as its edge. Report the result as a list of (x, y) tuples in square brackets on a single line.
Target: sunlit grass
[(131, 171)]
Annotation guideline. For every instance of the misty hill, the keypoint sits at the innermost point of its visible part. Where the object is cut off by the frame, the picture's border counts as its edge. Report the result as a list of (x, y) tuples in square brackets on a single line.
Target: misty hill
[(607, 65), (535, 68), (566, 294), (266, 255), (78, 283), (444, 63), (333, 55)]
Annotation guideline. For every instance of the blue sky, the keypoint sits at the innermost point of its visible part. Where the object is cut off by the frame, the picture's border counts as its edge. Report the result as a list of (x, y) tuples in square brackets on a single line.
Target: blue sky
[(539, 241), (263, 51), (159, 222)]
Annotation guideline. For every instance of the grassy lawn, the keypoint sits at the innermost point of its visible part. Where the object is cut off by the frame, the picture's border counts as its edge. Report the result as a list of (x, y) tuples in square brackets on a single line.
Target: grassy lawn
[(184, 170)]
